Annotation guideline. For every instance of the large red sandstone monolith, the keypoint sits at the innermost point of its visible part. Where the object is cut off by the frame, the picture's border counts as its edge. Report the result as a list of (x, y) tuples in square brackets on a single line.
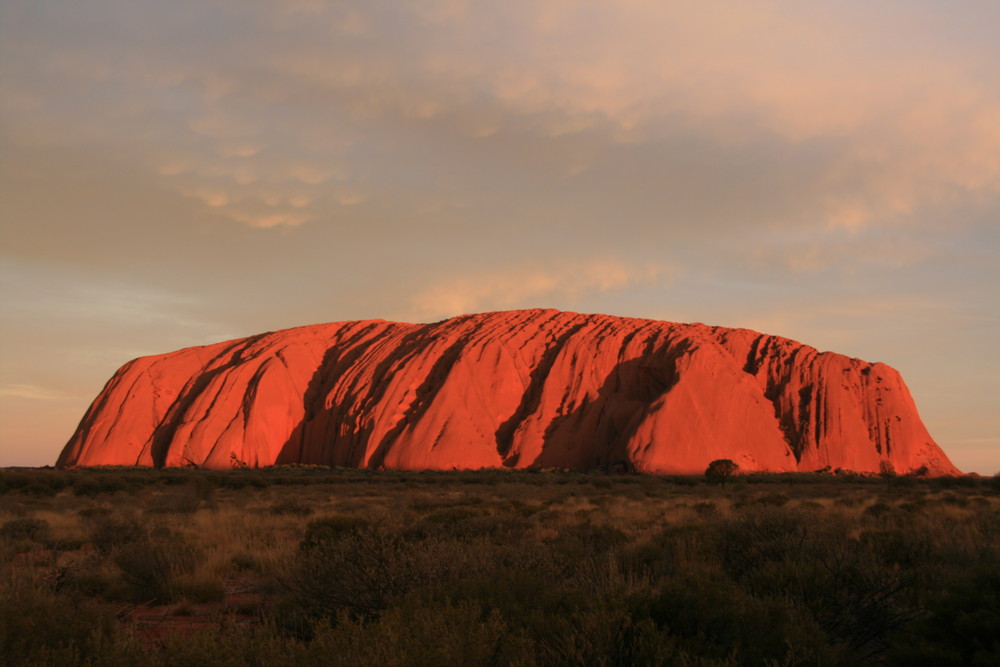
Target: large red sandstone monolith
[(517, 389)]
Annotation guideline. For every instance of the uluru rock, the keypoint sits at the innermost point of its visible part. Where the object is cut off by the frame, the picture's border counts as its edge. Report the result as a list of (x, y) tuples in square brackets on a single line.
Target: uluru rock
[(516, 389)]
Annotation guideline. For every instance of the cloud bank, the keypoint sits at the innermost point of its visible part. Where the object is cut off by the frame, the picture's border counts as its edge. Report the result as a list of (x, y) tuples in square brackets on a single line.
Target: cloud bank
[(248, 165)]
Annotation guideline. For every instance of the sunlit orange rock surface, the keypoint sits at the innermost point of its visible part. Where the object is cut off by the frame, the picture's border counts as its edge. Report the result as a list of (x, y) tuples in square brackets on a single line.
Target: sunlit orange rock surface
[(517, 389)]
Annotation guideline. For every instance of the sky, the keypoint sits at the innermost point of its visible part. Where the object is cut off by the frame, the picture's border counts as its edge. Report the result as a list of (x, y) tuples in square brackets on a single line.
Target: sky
[(180, 173)]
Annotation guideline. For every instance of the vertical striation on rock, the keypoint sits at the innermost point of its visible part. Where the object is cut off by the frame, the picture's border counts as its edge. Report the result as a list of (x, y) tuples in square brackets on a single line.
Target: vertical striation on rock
[(517, 389)]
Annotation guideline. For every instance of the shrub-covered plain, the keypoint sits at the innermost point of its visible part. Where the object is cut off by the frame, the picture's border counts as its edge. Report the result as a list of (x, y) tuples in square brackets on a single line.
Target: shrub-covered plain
[(308, 566)]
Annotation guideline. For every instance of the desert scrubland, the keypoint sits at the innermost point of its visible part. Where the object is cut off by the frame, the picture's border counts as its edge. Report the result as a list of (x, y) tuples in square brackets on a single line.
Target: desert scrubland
[(311, 566)]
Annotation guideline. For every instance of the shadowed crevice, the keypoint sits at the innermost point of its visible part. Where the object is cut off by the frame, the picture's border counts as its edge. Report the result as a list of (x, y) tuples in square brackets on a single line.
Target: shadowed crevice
[(425, 394), (345, 349), (532, 396), (163, 435), (597, 432)]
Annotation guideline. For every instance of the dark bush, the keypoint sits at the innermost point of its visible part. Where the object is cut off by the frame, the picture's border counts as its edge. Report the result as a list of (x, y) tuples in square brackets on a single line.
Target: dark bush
[(961, 628), (362, 570), (877, 510), (95, 512), (36, 530), (994, 483), (99, 483), (771, 499), (328, 529), (38, 490), (415, 634), (580, 540), (720, 470), (178, 500), (760, 535), (87, 488), (245, 561), (38, 627), (197, 590), (109, 533), (292, 507), (706, 508), (712, 620), (150, 565)]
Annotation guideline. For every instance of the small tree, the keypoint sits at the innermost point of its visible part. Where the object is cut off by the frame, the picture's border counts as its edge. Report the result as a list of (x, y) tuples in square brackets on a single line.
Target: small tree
[(719, 469)]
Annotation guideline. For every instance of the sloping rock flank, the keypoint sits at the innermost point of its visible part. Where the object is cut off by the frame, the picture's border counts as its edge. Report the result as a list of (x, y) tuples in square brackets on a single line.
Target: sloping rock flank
[(516, 389)]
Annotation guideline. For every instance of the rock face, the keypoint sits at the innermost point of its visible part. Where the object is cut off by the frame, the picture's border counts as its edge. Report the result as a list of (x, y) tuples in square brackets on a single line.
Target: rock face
[(516, 389)]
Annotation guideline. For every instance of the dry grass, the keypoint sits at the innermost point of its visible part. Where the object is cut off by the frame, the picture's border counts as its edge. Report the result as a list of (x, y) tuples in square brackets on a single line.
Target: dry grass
[(525, 568)]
